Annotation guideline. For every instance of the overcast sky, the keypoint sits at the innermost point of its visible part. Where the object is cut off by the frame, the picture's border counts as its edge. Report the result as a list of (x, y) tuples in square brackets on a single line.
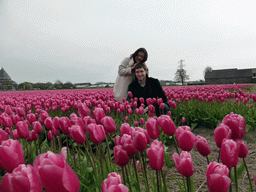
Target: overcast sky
[(86, 40)]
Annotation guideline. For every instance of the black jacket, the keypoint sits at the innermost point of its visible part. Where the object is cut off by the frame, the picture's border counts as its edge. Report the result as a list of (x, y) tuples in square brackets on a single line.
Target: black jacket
[(152, 89)]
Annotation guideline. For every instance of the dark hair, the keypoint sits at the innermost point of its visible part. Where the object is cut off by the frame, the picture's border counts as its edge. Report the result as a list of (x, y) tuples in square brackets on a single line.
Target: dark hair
[(137, 52), (141, 65)]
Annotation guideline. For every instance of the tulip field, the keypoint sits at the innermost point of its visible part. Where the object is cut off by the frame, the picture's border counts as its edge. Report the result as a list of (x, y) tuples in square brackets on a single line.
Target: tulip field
[(84, 140)]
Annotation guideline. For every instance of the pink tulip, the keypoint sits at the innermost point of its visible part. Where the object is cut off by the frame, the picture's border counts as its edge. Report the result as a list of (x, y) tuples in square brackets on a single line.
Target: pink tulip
[(77, 134), (217, 177), (125, 128), (23, 178), (56, 122), (242, 149), (7, 122), (142, 122), (78, 121), (167, 125), (130, 94), (50, 135), (183, 120), (139, 139), (184, 163), (118, 140), (44, 115), (185, 137), (237, 124), (229, 153), (221, 132), (48, 122), (8, 110), (11, 155), (88, 120), (202, 146), (98, 114), (156, 155), (37, 126), (113, 179), (3, 136), (31, 118), (64, 123), (109, 124), (22, 129), (137, 164), (121, 156), (126, 118), (55, 173), (33, 136), (126, 142), (96, 132), (152, 128), (83, 110), (20, 111)]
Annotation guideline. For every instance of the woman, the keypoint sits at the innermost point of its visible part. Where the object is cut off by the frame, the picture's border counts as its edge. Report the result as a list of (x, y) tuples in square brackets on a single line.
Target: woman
[(126, 72)]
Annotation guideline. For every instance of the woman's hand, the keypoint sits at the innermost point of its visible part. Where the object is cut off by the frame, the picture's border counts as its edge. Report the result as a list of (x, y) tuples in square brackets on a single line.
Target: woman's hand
[(134, 65)]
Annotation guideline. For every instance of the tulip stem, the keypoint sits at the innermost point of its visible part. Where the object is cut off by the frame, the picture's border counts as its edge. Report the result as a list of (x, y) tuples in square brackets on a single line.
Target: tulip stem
[(158, 188), (27, 151), (236, 183), (208, 162), (123, 175), (92, 162), (175, 144), (73, 151), (136, 170), (251, 186), (101, 165), (145, 171), (230, 187), (164, 180), (188, 183), (108, 148), (128, 178), (219, 156), (104, 156), (58, 137)]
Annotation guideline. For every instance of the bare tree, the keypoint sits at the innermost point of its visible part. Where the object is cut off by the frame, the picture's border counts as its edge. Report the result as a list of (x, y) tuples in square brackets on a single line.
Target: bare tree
[(181, 74)]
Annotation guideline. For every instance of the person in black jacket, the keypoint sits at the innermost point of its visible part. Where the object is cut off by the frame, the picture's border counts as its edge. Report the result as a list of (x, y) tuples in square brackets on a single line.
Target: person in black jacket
[(147, 87)]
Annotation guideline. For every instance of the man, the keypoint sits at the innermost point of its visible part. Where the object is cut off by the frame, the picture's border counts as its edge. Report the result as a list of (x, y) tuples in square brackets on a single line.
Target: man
[(147, 87)]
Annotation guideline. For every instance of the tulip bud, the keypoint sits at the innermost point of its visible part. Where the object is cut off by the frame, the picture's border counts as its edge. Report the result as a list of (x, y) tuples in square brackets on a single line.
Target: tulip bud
[(98, 114), (121, 156), (184, 163), (185, 137), (156, 155), (109, 124), (202, 146), (242, 149), (167, 125), (126, 142), (152, 128), (229, 153), (22, 129), (96, 132), (77, 133)]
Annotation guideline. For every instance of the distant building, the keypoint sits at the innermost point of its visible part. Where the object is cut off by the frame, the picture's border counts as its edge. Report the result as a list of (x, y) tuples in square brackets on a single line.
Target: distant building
[(166, 82), (6, 83), (230, 76)]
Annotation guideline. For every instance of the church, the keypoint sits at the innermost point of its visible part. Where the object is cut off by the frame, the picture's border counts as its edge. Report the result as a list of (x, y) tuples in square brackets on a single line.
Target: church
[(6, 83)]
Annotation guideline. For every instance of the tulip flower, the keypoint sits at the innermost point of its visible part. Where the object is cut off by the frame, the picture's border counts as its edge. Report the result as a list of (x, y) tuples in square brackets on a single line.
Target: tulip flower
[(83, 110), (217, 177), (125, 128), (37, 126), (183, 120), (55, 173), (242, 149), (96, 132), (8, 110), (11, 155), (137, 164), (3, 136), (64, 123), (56, 122), (130, 94), (109, 124), (7, 122), (185, 137), (118, 140), (202, 146), (139, 140), (113, 179), (183, 163), (167, 125), (156, 155), (22, 129), (77, 133), (23, 178), (121, 156), (31, 118), (237, 124), (87, 120), (98, 114), (229, 153), (152, 128), (20, 111), (221, 132), (48, 122), (126, 142), (126, 118)]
